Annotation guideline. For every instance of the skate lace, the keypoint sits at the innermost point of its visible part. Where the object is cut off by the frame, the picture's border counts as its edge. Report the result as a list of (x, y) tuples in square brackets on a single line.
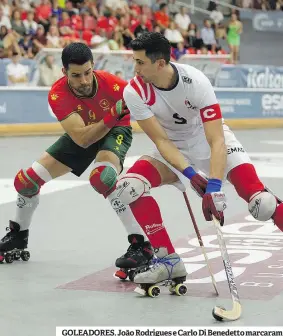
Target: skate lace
[(168, 263), (8, 236)]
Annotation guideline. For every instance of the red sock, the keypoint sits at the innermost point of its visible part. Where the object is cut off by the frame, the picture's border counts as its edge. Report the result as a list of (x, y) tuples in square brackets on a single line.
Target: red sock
[(146, 210), (245, 180)]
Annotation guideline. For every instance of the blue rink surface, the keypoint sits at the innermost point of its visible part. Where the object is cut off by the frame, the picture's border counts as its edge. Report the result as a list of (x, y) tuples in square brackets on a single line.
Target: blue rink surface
[(76, 237)]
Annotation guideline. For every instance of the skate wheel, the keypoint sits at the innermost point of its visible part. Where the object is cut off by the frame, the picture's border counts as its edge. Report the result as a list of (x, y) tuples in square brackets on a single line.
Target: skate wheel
[(121, 275), (25, 255), (153, 291), (217, 317), (181, 289), (2, 258), (17, 255), (172, 289), (9, 258), (131, 275)]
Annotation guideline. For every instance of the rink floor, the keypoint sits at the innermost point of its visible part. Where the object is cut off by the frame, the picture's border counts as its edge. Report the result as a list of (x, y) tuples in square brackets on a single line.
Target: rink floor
[(75, 238)]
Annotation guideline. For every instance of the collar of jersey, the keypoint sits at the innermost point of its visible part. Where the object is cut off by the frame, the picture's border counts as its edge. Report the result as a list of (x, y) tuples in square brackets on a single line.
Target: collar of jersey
[(175, 84), (82, 97)]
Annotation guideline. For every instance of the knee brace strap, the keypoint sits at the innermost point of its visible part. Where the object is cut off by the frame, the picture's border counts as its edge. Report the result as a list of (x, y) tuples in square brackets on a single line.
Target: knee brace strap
[(103, 177), (131, 187), (27, 183)]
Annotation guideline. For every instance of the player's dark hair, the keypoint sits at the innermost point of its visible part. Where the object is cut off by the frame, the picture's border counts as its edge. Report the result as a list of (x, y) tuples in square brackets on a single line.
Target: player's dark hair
[(155, 45), (76, 53)]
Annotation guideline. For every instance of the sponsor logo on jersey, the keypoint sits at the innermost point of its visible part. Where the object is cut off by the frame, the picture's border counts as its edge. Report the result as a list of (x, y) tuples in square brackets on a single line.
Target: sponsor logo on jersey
[(104, 104), (116, 87), (189, 105), (54, 96), (187, 79), (79, 108), (235, 150)]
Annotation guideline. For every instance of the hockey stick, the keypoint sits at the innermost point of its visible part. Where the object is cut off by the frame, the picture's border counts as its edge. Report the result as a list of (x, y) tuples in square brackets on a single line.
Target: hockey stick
[(218, 312), (200, 241)]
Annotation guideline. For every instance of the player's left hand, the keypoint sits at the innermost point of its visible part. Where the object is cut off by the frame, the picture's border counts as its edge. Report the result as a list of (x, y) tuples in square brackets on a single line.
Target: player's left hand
[(214, 203)]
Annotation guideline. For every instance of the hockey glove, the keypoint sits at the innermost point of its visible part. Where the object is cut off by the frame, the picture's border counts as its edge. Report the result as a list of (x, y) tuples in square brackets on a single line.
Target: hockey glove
[(117, 112), (198, 183), (214, 201)]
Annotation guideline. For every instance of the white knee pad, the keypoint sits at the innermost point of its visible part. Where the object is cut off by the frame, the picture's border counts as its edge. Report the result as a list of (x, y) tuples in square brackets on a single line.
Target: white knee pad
[(262, 206), (131, 187)]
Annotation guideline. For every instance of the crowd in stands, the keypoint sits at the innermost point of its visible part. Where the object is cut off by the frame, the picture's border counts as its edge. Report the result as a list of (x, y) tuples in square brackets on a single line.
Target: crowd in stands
[(261, 4)]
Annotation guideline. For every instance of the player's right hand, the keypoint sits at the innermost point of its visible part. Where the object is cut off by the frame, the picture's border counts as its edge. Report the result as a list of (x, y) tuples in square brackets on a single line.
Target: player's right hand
[(214, 204), (198, 183), (117, 112)]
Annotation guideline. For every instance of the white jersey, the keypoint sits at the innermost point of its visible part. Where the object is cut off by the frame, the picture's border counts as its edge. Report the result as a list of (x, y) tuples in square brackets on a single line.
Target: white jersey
[(182, 109)]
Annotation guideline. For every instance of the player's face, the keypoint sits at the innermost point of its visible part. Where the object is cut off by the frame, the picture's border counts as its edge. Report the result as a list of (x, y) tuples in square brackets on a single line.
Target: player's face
[(80, 78), (144, 68)]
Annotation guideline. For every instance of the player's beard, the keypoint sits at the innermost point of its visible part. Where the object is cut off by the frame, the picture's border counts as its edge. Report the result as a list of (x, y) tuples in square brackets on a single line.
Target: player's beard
[(85, 90)]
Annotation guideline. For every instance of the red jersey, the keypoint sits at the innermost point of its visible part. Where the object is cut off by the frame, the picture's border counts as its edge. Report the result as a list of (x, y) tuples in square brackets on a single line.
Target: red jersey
[(64, 102)]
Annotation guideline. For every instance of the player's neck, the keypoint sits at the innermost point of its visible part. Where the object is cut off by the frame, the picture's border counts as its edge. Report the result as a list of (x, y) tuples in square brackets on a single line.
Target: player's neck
[(167, 78)]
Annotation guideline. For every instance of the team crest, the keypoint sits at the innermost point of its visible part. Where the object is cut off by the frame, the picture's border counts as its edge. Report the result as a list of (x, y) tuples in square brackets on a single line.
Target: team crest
[(116, 87), (79, 108), (104, 104), (54, 96)]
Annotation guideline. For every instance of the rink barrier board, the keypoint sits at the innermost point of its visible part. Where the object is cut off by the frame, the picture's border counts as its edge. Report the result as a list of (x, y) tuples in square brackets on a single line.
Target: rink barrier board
[(56, 129)]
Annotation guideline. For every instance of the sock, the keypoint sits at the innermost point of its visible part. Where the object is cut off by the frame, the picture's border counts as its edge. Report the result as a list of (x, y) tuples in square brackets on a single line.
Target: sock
[(25, 205), (245, 180), (146, 210)]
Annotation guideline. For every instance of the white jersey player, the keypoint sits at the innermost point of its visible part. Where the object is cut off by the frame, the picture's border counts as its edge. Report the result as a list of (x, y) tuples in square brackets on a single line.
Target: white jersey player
[(175, 105)]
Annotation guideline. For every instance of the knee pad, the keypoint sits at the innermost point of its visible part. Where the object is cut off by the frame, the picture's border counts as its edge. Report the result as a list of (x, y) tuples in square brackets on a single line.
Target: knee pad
[(131, 187), (103, 177), (262, 206), (27, 183)]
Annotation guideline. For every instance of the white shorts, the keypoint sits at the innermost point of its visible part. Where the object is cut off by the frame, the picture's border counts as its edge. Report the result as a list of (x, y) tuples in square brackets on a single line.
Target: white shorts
[(199, 157)]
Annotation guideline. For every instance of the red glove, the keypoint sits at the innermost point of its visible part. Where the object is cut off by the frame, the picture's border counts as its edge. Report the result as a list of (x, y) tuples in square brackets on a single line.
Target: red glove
[(214, 204), (117, 112), (198, 184)]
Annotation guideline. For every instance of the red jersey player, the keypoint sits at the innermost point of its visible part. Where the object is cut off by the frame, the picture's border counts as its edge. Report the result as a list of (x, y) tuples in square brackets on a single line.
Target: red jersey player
[(91, 110)]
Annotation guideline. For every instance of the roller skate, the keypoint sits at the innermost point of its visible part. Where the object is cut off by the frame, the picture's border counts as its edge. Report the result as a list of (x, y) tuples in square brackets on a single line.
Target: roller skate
[(13, 244), (165, 270), (138, 254)]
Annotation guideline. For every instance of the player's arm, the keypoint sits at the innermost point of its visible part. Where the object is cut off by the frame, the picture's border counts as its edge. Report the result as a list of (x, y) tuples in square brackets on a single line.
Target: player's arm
[(82, 135), (212, 122)]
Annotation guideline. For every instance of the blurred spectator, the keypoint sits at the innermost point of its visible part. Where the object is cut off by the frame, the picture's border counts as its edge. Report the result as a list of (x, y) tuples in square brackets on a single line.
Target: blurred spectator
[(179, 51), (25, 45), (39, 39), (7, 10), (17, 73), (99, 42), (4, 20), (123, 27), (235, 29), (173, 8), (208, 36), (116, 42), (29, 23), (173, 35), (144, 26), (216, 15), (182, 19), (17, 23), (8, 42), (49, 71), (119, 74), (53, 38), (193, 37), (43, 12), (161, 17)]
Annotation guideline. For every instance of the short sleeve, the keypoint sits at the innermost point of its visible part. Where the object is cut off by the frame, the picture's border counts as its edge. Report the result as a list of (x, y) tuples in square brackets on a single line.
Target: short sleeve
[(59, 105), (138, 109), (208, 103)]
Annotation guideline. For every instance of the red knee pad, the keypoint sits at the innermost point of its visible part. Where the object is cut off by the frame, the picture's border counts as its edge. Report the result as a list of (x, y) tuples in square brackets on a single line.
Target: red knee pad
[(103, 178), (278, 217), (245, 180), (147, 170), (27, 183)]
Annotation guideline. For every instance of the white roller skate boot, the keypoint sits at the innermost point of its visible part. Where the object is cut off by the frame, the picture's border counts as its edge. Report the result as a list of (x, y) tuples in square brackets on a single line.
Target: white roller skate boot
[(165, 270)]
